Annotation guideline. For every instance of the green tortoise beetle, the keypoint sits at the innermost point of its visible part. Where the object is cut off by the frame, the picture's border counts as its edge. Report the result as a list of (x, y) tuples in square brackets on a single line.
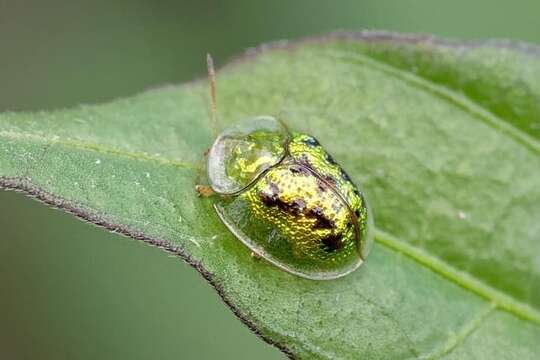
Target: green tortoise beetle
[(284, 196)]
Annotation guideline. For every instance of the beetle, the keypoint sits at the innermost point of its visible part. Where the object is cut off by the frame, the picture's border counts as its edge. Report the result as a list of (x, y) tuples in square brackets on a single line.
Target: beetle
[(286, 198)]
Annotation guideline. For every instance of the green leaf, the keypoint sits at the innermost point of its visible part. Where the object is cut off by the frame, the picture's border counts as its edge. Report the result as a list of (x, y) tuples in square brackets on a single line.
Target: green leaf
[(443, 135)]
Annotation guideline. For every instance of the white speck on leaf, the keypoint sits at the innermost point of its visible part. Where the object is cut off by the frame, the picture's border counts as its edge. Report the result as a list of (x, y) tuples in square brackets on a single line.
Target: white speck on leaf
[(194, 241)]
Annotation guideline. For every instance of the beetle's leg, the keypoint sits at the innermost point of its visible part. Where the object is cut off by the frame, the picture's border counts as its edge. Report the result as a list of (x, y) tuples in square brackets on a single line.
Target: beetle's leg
[(204, 190)]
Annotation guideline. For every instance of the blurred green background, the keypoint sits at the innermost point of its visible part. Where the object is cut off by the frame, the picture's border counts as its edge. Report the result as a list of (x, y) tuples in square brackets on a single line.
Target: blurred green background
[(69, 290)]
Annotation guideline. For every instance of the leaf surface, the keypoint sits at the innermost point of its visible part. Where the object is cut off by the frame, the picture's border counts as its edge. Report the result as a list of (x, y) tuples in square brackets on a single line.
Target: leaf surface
[(443, 136)]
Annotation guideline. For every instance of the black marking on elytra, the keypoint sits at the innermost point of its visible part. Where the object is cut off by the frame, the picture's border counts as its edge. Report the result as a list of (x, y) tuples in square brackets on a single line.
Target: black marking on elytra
[(297, 206), (299, 169), (332, 242), (321, 221), (344, 175), (330, 159), (311, 142), (329, 179), (270, 198)]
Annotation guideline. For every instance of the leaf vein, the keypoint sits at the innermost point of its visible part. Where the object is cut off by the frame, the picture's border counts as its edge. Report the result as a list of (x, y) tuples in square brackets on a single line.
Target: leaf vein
[(459, 277), (100, 148), (450, 96)]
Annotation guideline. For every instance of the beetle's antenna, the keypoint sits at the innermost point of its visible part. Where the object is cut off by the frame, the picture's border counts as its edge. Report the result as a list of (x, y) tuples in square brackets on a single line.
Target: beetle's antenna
[(212, 79)]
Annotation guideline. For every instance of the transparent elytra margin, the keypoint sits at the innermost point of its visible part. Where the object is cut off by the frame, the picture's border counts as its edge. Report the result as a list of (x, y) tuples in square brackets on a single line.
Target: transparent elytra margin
[(266, 152)]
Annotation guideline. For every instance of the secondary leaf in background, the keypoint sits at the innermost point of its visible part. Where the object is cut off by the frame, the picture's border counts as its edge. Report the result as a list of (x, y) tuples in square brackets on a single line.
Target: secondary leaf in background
[(442, 135)]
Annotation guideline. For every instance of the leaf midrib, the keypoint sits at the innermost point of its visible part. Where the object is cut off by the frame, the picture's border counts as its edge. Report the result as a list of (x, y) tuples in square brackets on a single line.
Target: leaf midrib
[(100, 148), (461, 278), (420, 256)]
